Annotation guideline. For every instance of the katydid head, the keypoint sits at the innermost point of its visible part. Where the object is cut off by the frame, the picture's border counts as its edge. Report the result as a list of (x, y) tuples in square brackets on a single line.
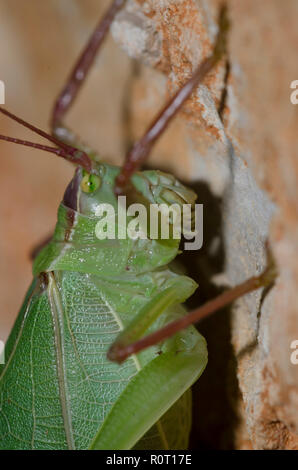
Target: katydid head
[(147, 220), (99, 233)]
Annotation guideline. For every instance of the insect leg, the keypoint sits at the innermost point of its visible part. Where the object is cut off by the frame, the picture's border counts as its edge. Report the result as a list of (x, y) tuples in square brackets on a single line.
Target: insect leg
[(178, 292), (121, 351), (141, 149), (79, 74)]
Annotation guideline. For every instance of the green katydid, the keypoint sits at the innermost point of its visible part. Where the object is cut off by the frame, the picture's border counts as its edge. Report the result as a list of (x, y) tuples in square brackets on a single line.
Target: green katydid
[(58, 389)]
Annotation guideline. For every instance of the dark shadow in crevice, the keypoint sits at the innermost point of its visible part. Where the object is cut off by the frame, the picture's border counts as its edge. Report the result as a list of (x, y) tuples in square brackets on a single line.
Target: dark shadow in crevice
[(216, 394)]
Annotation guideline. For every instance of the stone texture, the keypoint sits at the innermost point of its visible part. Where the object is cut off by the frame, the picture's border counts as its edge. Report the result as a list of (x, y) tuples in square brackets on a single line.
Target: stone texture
[(242, 160), (250, 162)]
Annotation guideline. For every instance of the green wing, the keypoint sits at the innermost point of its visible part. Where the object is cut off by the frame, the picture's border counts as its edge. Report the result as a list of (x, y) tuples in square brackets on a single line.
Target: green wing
[(57, 387)]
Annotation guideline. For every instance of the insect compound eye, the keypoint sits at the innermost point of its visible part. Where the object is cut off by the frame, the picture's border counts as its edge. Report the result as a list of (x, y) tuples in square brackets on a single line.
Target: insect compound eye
[(90, 183)]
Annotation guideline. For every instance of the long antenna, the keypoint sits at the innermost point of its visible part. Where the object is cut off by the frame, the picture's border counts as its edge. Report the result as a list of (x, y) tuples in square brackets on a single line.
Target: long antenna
[(27, 143), (65, 151)]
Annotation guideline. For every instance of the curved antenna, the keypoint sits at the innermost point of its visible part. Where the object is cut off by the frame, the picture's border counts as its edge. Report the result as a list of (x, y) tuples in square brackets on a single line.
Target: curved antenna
[(71, 154), (141, 149)]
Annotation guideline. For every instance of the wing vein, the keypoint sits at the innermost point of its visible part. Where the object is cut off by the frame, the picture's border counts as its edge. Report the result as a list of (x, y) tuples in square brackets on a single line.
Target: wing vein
[(57, 315)]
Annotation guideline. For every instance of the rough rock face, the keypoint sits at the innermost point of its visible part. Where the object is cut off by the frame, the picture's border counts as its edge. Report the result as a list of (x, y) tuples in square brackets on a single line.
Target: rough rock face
[(244, 149), (234, 140)]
